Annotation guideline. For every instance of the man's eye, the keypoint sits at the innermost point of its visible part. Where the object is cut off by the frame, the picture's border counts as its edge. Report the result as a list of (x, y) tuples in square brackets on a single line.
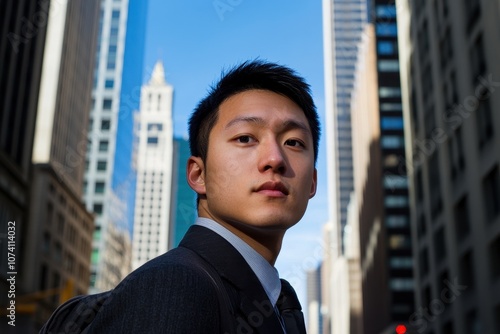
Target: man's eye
[(294, 143), (244, 139)]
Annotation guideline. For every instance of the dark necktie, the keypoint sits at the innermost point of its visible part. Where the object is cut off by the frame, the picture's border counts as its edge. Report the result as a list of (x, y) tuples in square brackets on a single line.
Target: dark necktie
[(290, 310)]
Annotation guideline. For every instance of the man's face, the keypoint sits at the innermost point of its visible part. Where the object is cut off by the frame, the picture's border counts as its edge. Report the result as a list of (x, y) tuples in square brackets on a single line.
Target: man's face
[(259, 173)]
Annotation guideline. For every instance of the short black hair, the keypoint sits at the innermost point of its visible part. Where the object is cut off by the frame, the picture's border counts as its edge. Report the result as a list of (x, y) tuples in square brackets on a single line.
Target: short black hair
[(256, 74)]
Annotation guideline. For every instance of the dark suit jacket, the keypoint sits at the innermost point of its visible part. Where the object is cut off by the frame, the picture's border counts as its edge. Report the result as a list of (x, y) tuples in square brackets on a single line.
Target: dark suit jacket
[(168, 295)]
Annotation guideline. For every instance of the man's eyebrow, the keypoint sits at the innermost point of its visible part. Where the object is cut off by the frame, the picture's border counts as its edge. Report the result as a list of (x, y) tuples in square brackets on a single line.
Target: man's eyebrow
[(246, 119), (287, 125)]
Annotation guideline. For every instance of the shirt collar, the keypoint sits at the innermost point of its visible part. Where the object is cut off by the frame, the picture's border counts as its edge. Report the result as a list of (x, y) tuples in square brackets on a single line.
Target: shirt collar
[(265, 272)]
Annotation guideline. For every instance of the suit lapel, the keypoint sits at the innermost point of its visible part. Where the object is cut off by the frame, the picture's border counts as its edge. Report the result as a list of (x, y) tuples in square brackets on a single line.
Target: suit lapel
[(254, 310)]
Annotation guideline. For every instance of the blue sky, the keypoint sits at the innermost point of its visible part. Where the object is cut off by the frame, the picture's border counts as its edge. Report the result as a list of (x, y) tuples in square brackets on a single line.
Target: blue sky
[(197, 39)]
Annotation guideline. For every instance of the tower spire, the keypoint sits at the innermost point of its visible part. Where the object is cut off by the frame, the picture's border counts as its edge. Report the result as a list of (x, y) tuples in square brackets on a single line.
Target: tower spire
[(158, 75)]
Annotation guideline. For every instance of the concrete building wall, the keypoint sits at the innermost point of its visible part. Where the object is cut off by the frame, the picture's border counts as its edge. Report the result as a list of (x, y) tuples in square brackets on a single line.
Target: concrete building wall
[(450, 77)]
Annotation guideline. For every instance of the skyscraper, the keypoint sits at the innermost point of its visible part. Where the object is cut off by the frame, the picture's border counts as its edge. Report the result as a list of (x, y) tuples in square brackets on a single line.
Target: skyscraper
[(56, 239), (343, 22), (154, 169), (450, 80), (381, 194), (385, 238), (21, 56), (110, 177)]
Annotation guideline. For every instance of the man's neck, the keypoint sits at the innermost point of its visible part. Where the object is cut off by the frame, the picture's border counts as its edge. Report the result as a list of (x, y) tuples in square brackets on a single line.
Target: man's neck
[(264, 241)]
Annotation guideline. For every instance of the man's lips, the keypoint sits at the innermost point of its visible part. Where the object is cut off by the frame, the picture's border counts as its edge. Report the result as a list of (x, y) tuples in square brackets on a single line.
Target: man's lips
[(274, 189)]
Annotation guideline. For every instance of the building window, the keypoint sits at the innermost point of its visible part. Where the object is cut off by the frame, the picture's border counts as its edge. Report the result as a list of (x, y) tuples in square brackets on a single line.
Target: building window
[(389, 92), (426, 296), (401, 284), (423, 263), (115, 14), (478, 60), (399, 241), (439, 245), (462, 226), (393, 221), (152, 140), (394, 201), (109, 83), (98, 208), (95, 256), (491, 194), (99, 187), (385, 11), (103, 146), (387, 48), (391, 107), (155, 127), (102, 165), (395, 182), (392, 142), (494, 259), (391, 123), (105, 124), (391, 160), (386, 30), (388, 65), (484, 123), (111, 65), (401, 262), (446, 48), (456, 153), (435, 185), (106, 104), (421, 225), (466, 271)]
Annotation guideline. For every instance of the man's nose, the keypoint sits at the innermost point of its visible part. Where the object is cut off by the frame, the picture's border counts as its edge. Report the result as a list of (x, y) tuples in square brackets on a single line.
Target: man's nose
[(272, 157)]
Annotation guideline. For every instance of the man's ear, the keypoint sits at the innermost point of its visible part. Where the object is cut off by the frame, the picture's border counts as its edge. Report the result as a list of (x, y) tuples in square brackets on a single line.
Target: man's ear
[(195, 173), (314, 184)]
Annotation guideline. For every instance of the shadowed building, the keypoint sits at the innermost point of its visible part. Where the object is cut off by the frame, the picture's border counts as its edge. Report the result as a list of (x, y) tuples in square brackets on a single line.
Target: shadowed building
[(56, 238), (451, 80)]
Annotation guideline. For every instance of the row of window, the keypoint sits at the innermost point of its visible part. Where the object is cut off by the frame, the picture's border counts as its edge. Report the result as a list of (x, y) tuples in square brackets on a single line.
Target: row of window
[(466, 265)]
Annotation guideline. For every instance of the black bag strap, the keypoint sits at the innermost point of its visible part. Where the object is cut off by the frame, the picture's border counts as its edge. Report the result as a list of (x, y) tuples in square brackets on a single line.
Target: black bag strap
[(225, 305)]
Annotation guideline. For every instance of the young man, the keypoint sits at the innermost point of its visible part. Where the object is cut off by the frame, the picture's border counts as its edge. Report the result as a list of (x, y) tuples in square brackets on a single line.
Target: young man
[(254, 144)]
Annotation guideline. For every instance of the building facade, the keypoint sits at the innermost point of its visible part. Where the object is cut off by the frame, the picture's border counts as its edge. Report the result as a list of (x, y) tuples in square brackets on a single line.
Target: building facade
[(450, 79), (392, 257), (314, 318), (154, 132), (57, 239), (110, 177), (21, 55), (343, 22)]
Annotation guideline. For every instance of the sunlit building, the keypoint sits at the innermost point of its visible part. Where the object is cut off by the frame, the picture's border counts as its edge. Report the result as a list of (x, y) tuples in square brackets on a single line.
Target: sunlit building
[(154, 132), (110, 177), (450, 79)]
